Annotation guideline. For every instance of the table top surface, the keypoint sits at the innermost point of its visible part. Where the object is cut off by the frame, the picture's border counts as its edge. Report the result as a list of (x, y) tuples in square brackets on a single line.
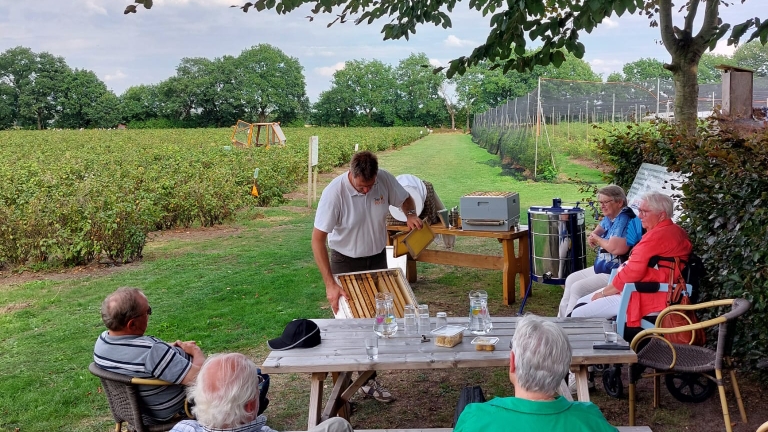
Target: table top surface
[(343, 349), (439, 229)]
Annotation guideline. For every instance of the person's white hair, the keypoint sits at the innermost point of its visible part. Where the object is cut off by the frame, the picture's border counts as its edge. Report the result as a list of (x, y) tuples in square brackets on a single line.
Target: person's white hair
[(225, 384), (659, 202), (542, 354)]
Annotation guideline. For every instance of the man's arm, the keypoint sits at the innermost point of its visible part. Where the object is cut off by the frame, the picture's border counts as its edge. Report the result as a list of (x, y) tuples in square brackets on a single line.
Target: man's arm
[(198, 358), (412, 220), (333, 291)]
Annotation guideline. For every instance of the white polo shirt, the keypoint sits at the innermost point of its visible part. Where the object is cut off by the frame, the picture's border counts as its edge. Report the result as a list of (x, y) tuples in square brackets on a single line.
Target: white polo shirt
[(355, 222)]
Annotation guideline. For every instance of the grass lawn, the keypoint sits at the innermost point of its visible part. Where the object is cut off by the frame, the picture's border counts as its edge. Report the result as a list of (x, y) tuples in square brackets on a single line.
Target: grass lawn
[(231, 288)]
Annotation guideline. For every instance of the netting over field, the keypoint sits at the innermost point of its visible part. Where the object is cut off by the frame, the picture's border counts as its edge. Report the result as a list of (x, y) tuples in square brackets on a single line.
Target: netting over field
[(520, 137)]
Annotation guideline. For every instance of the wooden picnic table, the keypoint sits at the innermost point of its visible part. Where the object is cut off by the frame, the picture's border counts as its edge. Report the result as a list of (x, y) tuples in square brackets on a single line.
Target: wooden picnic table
[(342, 352), (509, 263)]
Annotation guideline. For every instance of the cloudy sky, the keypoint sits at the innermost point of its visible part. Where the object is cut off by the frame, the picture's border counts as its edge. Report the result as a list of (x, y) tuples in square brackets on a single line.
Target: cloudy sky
[(146, 47)]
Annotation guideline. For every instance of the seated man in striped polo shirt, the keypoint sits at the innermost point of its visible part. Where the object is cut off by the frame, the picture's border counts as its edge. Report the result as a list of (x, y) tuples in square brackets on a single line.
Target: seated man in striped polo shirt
[(123, 348)]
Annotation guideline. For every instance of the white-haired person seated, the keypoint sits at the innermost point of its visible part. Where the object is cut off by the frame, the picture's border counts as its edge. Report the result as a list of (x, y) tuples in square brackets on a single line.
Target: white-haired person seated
[(663, 238), (226, 397), (538, 362)]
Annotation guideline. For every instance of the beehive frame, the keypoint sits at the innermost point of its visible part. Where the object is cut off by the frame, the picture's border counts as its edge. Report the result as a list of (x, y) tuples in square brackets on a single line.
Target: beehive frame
[(362, 287)]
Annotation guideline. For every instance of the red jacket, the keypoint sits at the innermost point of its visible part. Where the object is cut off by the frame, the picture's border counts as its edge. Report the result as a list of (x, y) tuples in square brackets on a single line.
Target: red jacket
[(665, 239)]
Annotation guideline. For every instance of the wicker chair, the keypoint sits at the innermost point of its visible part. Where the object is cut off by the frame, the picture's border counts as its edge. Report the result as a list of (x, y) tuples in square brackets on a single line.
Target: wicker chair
[(123, 398), (668, 358)]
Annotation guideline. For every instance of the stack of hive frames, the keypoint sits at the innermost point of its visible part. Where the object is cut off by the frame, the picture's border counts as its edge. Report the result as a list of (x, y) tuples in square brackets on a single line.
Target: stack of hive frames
[(362, 287)]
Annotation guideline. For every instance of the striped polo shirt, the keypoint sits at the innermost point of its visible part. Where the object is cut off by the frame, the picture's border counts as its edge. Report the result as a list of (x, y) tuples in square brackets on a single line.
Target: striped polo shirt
[(147, 357)]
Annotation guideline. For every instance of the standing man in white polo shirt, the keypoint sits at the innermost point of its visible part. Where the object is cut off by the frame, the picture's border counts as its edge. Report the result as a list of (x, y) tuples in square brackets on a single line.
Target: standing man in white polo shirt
[(351, 217)]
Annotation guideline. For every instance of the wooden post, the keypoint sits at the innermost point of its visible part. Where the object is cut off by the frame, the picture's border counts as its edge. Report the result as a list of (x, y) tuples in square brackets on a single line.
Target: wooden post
[(312, 171)]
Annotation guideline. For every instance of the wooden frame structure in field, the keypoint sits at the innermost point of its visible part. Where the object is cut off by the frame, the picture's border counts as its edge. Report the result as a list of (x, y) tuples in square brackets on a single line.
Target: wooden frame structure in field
[(243, 134)]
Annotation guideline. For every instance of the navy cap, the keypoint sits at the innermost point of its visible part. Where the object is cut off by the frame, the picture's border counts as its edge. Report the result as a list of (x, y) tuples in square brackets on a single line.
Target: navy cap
[(299, 333)]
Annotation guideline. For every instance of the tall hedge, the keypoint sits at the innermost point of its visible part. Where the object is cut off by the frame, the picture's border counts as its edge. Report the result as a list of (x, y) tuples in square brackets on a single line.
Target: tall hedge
[(724, 203)]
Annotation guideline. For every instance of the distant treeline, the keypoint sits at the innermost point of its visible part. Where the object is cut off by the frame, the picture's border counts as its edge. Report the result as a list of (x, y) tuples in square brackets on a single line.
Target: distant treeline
[(40, 91)]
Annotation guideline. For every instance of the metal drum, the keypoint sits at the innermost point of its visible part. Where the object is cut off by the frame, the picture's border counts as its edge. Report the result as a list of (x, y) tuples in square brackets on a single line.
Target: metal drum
[(557, 242)]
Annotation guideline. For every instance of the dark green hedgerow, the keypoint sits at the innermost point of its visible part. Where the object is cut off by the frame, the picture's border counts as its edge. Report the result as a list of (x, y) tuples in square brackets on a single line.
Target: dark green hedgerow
[(724, 202)]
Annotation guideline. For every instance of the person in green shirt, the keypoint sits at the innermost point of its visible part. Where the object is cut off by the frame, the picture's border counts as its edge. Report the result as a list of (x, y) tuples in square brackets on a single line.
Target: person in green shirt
[(538, 362)]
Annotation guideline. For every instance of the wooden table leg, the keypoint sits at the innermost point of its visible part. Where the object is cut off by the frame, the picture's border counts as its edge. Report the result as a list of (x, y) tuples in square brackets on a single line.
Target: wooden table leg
[(582, 384), (315, 398), (524, 264), (411, 273), (335, 404), (509, 272)]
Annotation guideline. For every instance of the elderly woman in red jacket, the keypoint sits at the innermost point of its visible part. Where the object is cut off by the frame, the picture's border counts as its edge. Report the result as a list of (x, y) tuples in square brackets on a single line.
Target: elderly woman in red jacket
[(663, 238)]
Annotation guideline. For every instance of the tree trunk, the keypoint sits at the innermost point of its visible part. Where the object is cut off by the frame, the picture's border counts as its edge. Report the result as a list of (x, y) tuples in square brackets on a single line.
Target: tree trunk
[(39, 120), (453, 119), (468, 119), (685, 76)]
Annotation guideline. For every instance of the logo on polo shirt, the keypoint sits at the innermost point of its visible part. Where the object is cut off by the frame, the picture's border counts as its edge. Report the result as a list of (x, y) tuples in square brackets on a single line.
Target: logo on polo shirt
[(379, 200)]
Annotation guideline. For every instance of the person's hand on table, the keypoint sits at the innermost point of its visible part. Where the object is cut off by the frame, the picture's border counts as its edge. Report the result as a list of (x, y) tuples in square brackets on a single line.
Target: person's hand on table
[(334, 292), (413, 222)]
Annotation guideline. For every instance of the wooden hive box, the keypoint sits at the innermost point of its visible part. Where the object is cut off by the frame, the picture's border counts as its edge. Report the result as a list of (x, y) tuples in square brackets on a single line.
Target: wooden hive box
[(362, 288)]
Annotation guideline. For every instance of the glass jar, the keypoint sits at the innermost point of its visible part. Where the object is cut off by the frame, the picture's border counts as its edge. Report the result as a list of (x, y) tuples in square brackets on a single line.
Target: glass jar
[(441, 319), (479, 318), (385, 324)]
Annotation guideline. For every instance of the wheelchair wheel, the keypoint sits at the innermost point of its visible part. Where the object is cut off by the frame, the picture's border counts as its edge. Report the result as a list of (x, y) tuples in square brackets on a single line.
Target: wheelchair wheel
[(612, 382), (690, 387)]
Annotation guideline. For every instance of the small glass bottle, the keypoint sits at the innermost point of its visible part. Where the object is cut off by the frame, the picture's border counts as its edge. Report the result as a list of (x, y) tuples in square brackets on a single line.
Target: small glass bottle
[(441, 319)]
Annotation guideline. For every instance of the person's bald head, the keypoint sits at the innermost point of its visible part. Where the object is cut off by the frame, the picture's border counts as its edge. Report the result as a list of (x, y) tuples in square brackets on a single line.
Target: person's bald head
[(123, 305), (226, 392)]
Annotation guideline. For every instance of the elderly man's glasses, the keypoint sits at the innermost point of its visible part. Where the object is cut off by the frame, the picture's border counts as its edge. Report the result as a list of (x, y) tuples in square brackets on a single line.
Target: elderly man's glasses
[(605, 202), (642, 211), (148, 313)]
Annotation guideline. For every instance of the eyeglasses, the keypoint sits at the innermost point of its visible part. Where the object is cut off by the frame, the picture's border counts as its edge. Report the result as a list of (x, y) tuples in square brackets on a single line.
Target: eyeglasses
[(606, 202), (642, 212), (149, 310)]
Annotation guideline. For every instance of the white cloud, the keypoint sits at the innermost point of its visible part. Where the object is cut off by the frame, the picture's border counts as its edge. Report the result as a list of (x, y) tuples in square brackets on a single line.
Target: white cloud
[(610, 23), (118, 75), (92, 7), (453, 41), (601, 66), (723, 48), (435, 62), (328, 71)]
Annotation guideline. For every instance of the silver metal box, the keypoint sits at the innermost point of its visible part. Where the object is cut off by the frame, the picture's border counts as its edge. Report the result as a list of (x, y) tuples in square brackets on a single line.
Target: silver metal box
[(489, 211)]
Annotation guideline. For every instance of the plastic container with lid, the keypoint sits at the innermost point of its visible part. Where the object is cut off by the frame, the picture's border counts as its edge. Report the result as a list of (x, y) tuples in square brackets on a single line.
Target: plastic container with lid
[(449, 335), (485, 343)]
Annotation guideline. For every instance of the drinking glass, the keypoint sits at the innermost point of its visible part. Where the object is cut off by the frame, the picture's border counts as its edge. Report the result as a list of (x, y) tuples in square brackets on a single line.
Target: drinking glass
[(424, 325), (441, 319), (372, 347), (409, 315)]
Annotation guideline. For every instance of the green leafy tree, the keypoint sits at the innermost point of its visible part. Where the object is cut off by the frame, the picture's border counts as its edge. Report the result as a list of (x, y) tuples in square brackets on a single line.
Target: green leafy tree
[(334, 107), (369, 86), (418, 100), (645, 69), (615, 77), (270, 84), (554, 24), (753, 56), (7, 105), (140, 103), (708, 74), (85, 102), (36, 80)]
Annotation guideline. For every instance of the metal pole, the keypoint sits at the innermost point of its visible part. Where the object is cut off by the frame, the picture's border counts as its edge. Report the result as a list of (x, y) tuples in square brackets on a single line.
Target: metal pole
[(539, 112), (569, 122), (613, 111), (658, 94)]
